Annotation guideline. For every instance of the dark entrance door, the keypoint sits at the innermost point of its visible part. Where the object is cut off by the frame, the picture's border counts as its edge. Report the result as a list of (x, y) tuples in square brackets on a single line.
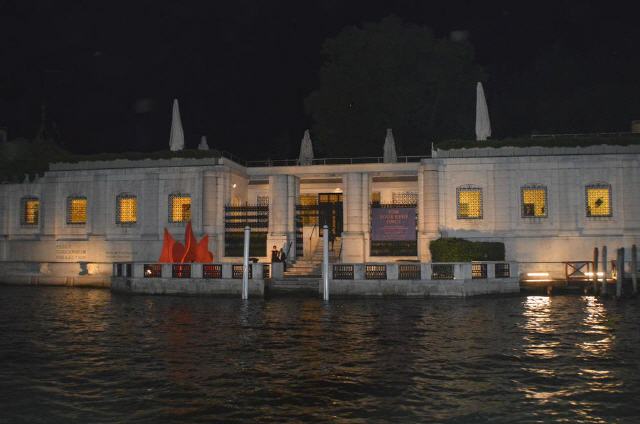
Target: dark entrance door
[(330, 212)]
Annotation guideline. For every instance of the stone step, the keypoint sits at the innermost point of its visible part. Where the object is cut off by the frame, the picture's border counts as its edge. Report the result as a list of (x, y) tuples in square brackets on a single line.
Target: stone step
[(294, 285)]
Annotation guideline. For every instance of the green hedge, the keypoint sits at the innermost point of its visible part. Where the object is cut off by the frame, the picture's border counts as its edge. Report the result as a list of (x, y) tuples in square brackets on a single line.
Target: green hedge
[(558, 141), (21, 157), (461, 250)]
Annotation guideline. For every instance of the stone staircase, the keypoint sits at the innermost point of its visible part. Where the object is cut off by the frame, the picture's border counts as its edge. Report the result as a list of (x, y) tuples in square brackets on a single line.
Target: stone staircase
[(303, 276)]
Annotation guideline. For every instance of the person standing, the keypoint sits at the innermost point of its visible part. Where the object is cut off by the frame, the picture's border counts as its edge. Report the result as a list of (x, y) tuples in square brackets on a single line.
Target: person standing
[(275, 255), (282, 257)]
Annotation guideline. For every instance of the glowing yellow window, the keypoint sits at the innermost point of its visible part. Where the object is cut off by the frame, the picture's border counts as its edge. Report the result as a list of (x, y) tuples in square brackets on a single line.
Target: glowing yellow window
[(179, 208), (308, 210), (127, 209), (534, 202), (77, 210), (469, 203), (30, 211), (598, 200)]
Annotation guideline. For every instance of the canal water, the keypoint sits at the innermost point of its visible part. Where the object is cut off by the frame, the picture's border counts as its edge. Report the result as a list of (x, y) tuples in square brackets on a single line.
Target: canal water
[(87, 356)]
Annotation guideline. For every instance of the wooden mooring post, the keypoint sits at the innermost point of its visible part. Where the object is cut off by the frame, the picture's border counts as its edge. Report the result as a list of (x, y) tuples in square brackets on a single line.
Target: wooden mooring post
[(595, 269), (603, 290), (620, 272), (634, 269)]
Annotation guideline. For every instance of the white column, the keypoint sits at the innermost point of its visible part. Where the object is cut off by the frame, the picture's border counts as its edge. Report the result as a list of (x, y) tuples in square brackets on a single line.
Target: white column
[(219, 218), (353, 235), (278, 206), (366, 215), (428, 209), (209, 202), (210, 210), (293, 190)]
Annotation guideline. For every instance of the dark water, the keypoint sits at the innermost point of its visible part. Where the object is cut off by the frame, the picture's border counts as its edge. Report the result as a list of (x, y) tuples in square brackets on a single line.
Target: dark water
[(79, 355)]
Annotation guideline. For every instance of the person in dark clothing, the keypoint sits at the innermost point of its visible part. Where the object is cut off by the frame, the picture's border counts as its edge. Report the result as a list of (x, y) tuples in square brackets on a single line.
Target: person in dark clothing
[(282, 257), (275, 255)]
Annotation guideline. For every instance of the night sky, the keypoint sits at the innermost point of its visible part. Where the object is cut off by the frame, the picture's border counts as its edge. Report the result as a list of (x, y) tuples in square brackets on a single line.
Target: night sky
[(108, 70)]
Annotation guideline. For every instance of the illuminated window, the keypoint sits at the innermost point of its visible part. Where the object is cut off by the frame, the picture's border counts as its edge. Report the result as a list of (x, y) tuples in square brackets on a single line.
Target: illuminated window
[(405, 198), (30, 211), (598, 197), (309, 209), (126, 209), (469, 202), (375, 197), (179, 207), (76, 210), (534, 201)]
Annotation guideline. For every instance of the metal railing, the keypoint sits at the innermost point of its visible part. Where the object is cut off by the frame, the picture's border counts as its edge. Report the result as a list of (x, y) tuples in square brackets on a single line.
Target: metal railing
[(578, 135), (409, 272), (478, 271), (332, 161)]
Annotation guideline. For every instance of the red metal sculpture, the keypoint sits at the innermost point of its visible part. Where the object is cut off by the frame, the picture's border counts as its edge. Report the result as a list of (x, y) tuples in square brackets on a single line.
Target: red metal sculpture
[(192, 251)]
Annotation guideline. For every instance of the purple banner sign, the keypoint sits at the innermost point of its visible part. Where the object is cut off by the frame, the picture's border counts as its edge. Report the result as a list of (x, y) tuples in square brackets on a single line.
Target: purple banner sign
[(393, 224)]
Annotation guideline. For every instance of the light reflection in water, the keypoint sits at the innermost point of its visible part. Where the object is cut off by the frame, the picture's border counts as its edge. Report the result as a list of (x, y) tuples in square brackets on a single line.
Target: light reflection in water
[(596, 327), (537, 312), (85, 356)]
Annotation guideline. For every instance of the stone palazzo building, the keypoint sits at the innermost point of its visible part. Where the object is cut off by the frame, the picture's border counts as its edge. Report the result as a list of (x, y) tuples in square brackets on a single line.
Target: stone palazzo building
[(547, 205)]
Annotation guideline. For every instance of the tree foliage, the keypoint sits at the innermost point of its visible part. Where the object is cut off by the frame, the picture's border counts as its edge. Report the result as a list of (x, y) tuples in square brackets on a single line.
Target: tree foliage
[(392, 75)]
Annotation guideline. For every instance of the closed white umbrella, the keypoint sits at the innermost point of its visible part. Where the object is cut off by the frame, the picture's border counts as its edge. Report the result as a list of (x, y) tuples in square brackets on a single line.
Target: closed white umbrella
[(390, 155), (176, 140), (483, 124), (306, 150), (203, 143)]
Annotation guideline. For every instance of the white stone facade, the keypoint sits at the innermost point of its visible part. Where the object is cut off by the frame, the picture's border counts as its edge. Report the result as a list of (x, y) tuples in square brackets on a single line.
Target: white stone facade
[(566, 233)]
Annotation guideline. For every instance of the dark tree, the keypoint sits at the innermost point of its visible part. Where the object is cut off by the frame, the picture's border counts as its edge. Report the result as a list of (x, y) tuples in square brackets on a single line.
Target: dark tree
[(392, 75)]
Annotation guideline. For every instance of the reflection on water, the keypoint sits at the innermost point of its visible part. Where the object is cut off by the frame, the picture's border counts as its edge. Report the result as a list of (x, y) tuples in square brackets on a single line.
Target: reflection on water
[(90, 356)]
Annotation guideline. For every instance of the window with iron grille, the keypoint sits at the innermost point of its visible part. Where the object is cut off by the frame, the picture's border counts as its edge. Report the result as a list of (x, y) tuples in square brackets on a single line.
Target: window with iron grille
[(262, 200), (405, 198), (238, 270), (236, 218), (469, 202), (266, 270), (598, 200), (409, 272), (534, 201), (502, 270), (179, 208), (181, 270), (342, 272), (442, 272), (478, 271), (375, 272), (308, 209), (212, 271), (76, 210), (30, 211), (152, 270), (126, 209)]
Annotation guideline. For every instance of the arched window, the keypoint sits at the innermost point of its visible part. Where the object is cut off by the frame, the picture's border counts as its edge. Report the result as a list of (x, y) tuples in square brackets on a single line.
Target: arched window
[(469, 202), (179, 207), (126, 209), (533, 201), (598, 200), (29, 210), (76, 210)]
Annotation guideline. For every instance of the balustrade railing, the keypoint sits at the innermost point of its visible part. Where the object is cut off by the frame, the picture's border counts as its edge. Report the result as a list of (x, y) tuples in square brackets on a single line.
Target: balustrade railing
[(479, 271)]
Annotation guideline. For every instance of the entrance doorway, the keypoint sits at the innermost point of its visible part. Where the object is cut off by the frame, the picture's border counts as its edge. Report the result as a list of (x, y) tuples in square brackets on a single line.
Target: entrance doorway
[(326, 209), (330, 213)]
